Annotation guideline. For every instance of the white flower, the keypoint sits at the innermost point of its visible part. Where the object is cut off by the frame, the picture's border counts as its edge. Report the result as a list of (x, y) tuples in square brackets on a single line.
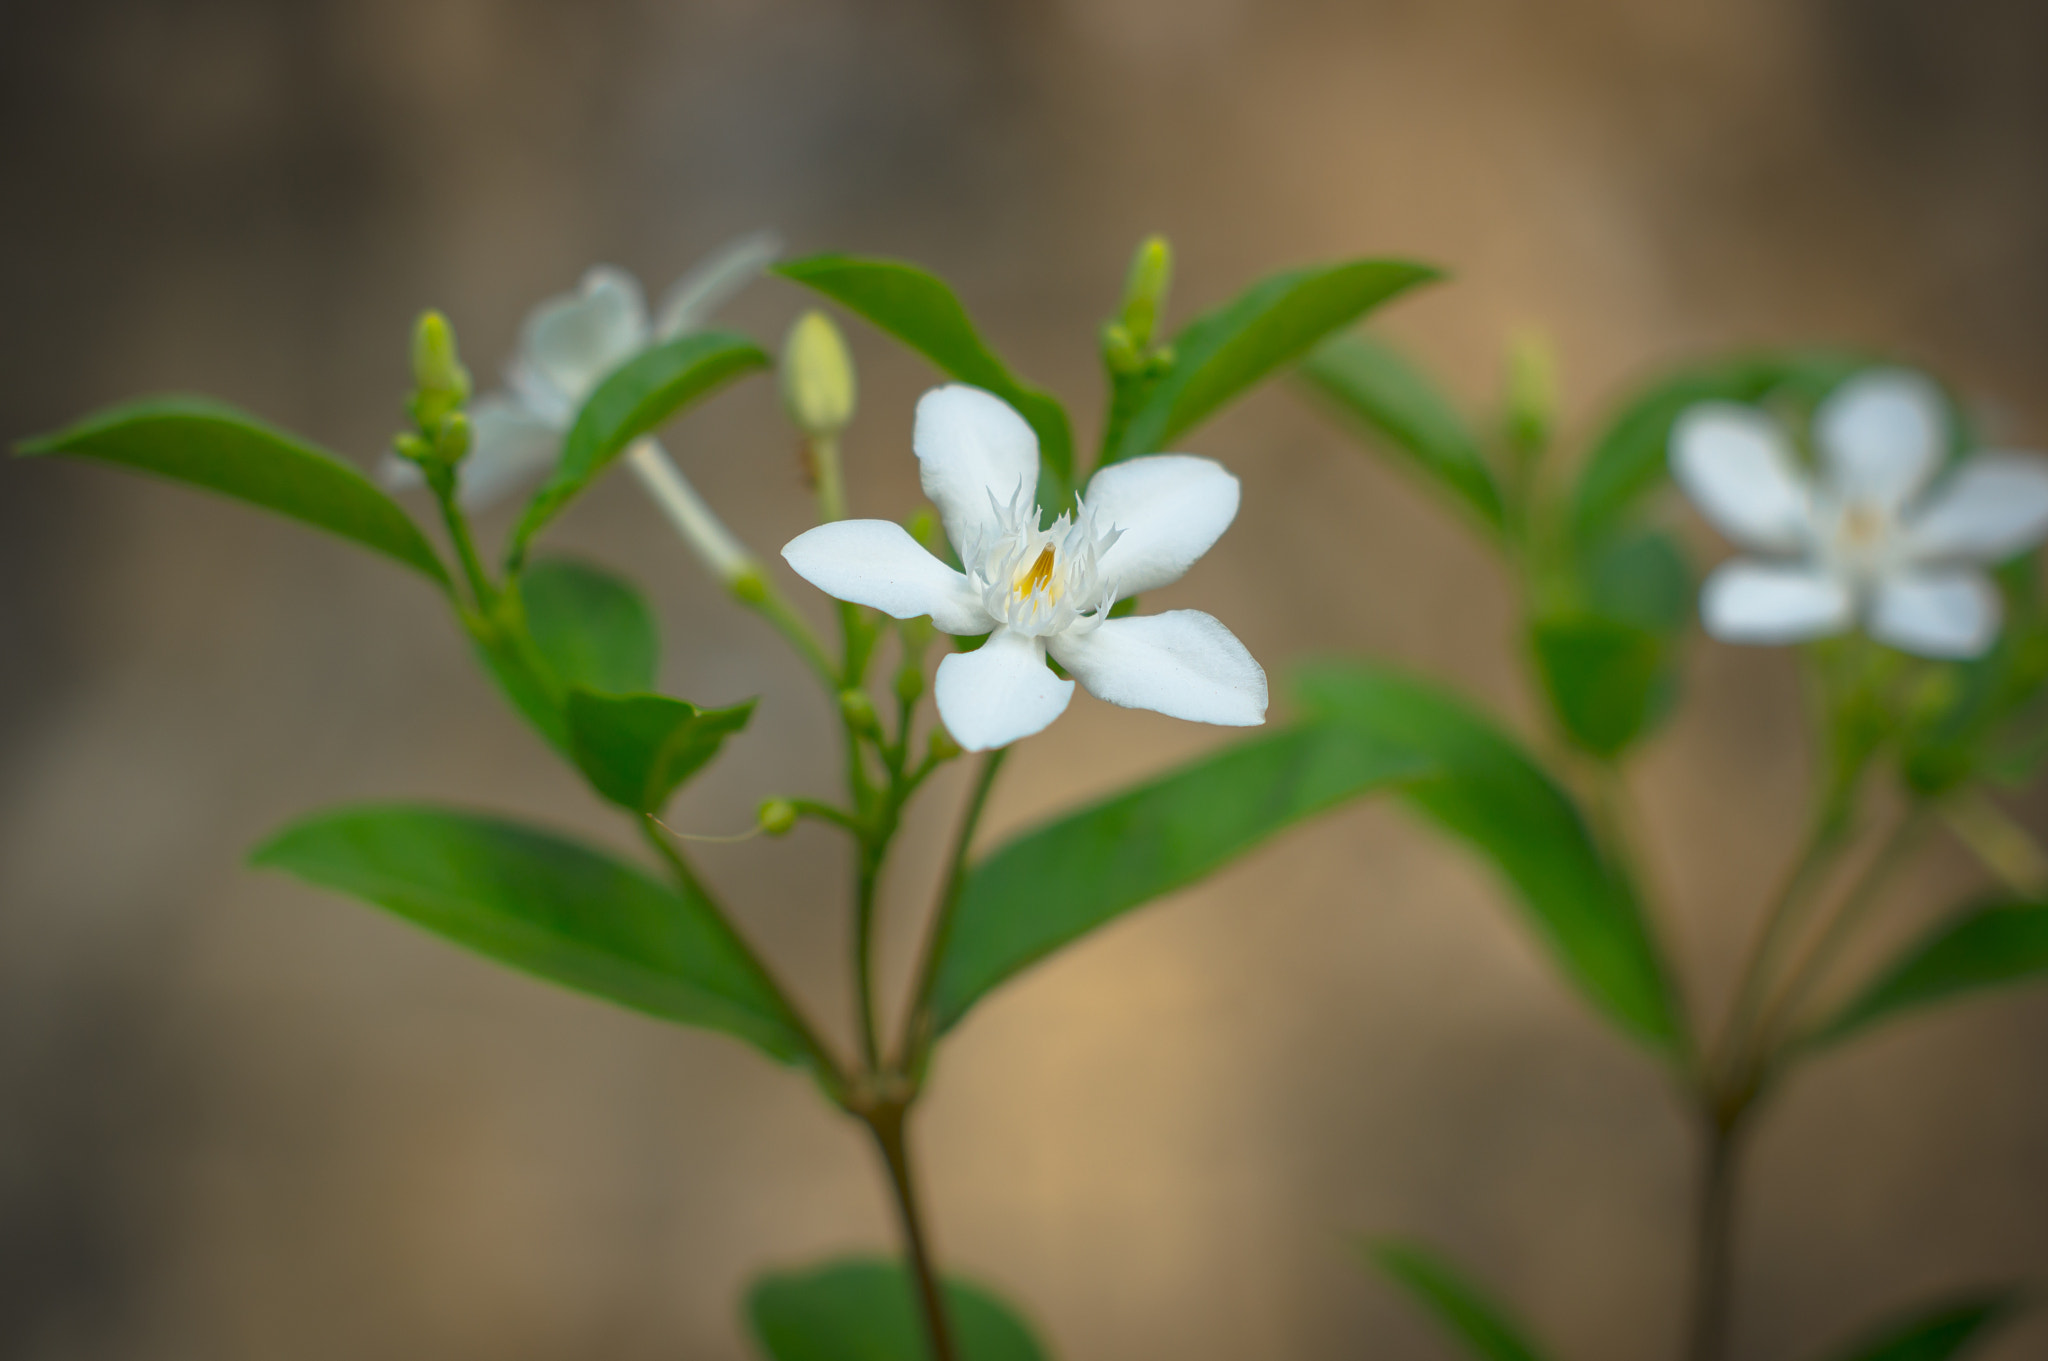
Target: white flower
[(1867, 541), (1140, 525), (568, 346)]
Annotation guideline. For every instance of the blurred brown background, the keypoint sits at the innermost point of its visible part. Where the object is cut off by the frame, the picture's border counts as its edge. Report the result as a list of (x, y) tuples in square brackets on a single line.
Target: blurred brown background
[(241, 1119)]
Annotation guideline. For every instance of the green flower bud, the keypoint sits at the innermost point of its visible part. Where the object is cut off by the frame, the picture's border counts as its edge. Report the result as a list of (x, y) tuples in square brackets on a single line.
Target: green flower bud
[(817, 377), (1145, 289), (859, 712), (451, 444), (440, 383), (1120, 354), (1532, 393), (776, 816), (909, 683)]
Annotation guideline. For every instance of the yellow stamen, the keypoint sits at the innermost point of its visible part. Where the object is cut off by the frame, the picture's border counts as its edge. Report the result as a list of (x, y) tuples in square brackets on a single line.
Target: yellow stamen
[(1039, 575)]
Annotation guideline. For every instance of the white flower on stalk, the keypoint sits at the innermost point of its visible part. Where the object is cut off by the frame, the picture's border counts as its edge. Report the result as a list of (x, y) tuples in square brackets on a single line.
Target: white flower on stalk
[(1867, 541), (1139, 526), (569, 345)]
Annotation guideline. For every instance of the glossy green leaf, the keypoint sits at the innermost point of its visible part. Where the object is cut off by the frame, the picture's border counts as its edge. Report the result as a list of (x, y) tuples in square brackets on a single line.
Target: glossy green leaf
[(1608, 683), (1050, 886), (1937, 1334), (526, 681), (592, 628), (212, 445), (1490, 794), (1638, 576), (636, 750), (921, 311), (865, 1309), (1631, 458), (1986, 947), (1394, 403), (636, 398), (1462, 1308), (546, 905), (1276, 321)]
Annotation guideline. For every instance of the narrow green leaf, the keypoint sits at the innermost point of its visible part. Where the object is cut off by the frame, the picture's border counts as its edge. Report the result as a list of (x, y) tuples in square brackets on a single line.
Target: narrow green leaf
[(1276, 321), (212, 445), (636, 750), (1464, 1311), (1394, 403), (1490, 794), (865, 1309), (1936, 1334), (1608, 683), (1631, 458), (1051, 886), (592, 628), (549, 906), (638, 396), (921, 311), (1985, 947)]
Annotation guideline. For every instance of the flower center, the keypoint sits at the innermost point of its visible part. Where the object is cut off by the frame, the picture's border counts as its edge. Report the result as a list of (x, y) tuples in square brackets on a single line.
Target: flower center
[(1041, 581), (1861, 540), (1039, 577)]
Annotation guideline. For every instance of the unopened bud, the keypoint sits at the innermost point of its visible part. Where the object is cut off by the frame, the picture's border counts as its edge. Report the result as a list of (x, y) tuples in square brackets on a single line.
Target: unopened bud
[(440, 383), (452, 441), (776, 816), (909, 683), (1532, 393), (1145, 289), (859, 712), (817, 376), (1120, 354)]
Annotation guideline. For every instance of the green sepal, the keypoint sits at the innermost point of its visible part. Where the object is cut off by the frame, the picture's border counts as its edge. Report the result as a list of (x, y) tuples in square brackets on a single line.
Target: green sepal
[(212, 445)]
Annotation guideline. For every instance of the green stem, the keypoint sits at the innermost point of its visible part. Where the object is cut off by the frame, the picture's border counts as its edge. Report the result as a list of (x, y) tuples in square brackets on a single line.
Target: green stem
[(831, 479), (753, 590), (1714, 1234), (867, 877), (886, 1123), (465, 547), (917, 1026), (830, 1073), (1787, 907)]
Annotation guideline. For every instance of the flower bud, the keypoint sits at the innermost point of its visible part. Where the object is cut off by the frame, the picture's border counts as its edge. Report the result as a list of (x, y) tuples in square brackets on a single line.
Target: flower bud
[(1145, 289), (1532, 393), (776, 816), (909, 683), (859, 712), (440, 383), (817, 377)]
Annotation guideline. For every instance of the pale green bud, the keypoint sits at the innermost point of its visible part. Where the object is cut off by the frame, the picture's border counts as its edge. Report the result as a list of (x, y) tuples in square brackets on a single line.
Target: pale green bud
[(1145, 289), (859, 712), (776, 816), (909, 683), (1532, 393), (817, 377), (440, 383)]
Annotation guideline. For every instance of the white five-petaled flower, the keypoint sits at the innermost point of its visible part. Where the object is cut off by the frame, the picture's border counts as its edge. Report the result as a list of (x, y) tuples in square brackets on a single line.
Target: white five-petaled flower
[(1139, 526), (568, 346), (1866, 541)]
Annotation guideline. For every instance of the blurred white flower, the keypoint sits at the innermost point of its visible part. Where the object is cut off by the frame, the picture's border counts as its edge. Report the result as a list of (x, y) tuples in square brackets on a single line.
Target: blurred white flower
[(1139, 526), (1867, 541), (568, 346)]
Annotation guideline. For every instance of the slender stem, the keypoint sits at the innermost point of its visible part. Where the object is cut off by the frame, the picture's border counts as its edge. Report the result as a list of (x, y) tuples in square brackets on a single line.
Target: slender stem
[(866, 878), (1714, 1234), (1812, 965), (465, 547), (752, 589), (1787, 906), (2004, 847), (831, 479), (887, 1124), (917, 1026), (829, 1071)]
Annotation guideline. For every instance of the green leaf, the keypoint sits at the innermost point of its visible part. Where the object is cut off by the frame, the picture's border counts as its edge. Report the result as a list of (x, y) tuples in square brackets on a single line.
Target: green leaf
[(549, 906), (1630, 459), (636, 750), (1986, 947), (1638, 576), (1462, 1309), (921, 311), (212, 445), (1488, 793), (637, 397), (1053, 885), (1276, 321), (1608, 683), (591, 628), (865, 1309), (522, 677), (1936, 1334), (1395, 404)]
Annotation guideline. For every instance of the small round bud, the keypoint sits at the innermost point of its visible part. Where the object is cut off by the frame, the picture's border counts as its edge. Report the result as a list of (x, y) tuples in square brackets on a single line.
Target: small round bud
[(817, 377), (1120, 354), (1532, 393), (749, 585), (451, 444), (909, 683), (859, 712), (776, 816)]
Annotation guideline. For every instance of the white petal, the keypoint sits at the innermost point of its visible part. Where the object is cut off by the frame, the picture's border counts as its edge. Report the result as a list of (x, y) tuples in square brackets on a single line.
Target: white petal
[(970, 444), (509, 445), (1183, 663), (1171, 509), (1000, 692), (1882, 435), (1738, 467), (876, 562), (572, 342), (1991, 508), (713, 280), (1765, 602), (1936, 613)]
